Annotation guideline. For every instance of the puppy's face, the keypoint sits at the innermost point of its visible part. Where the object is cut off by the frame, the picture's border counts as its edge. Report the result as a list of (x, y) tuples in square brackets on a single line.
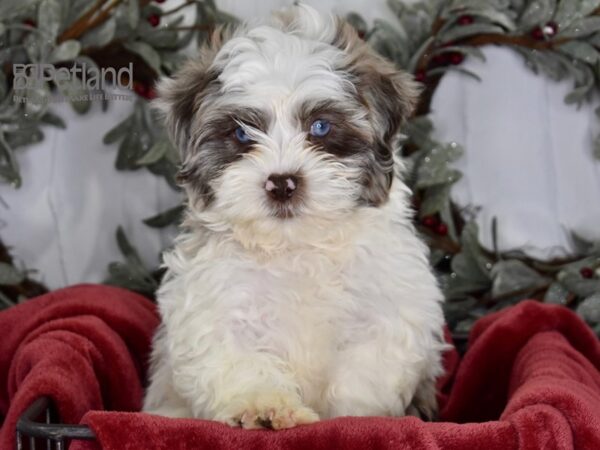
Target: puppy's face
[(287, 122)]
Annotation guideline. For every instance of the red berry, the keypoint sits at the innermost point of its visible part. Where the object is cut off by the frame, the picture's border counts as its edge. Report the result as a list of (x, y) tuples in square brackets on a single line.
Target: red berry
[(420, 76), (430, 221), (154, 19), (456, 58), (587, 272), (361, 34), (442, 229), (140, 89), (465, 19), (151, 94), (30, 23), (440, 60), (537, 34), (159, 1), (551, 28)]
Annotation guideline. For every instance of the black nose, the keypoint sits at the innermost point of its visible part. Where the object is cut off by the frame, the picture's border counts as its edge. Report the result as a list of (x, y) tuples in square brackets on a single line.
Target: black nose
[(281, 187)]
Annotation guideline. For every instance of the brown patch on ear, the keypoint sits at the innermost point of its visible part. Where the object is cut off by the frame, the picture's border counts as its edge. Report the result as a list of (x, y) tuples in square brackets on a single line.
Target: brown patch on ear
[(180, 97), (390, 94)]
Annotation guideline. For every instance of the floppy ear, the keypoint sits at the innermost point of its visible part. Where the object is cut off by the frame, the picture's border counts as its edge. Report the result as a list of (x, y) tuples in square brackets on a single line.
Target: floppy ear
[(180, 97), (390, 94)]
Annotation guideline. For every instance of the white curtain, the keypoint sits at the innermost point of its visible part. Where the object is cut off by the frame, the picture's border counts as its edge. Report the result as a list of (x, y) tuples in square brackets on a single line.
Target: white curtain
[(527, 162)]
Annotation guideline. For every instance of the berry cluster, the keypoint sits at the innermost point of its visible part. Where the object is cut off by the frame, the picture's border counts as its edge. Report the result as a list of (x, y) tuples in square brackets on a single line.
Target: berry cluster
[(434, 223)]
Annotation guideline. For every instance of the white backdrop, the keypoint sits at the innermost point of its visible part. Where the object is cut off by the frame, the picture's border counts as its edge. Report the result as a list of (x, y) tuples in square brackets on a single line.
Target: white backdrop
[(528, 162)]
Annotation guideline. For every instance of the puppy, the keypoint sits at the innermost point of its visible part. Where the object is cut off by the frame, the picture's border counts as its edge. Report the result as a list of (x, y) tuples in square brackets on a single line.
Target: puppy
[(299, 289)]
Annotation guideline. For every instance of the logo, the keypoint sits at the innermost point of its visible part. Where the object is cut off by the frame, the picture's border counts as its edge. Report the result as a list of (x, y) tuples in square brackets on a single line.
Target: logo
[(89, 82)]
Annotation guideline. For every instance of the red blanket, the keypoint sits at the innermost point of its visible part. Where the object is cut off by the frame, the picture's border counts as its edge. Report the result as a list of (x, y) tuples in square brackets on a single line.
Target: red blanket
[(530, 380)]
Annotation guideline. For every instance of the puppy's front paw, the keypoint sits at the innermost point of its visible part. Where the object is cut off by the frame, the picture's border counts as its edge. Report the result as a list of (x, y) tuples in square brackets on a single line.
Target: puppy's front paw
[(270, 409)]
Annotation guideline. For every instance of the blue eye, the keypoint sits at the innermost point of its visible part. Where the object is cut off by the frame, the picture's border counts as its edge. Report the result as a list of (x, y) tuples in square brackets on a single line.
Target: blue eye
[(320, 128), (242, 136)]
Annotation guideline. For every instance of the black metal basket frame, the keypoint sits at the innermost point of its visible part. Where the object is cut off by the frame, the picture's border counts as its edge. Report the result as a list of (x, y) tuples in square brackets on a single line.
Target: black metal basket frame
[(30, 431)]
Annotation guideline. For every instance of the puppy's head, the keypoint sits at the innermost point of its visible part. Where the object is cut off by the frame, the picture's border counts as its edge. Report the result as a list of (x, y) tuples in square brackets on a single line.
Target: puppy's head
[(287, 122)]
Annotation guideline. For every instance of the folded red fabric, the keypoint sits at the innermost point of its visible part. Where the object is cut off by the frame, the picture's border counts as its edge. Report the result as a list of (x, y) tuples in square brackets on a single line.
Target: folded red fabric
[(530, 379), (85, 347)]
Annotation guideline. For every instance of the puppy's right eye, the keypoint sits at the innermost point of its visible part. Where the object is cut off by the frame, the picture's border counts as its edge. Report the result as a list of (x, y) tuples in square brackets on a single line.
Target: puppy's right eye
[(242, 136)]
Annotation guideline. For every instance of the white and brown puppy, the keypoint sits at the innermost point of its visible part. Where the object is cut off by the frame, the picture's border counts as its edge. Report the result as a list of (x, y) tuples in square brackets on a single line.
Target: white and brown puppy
[(299, 289)]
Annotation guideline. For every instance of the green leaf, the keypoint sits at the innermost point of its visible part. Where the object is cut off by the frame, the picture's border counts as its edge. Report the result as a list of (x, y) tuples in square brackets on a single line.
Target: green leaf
[(457, 287), (117, 132), (589, 309), (440, 176), (537, 12), (167, 169), (101, 35), (133, 13), (471, 263), (467, 51), (26, 136), (37, 99), (390, 42), (570, 10), (357, 22), (66, 51), (130, 150), (511, 276), (3, 85), (171, 61), (159, 38), (416, 57), (467, 268), (494, 16), (441, 70), (49, 17), (581, 51), (588, 6), (165, 218), (580, 286), (147, 53), (455, 311), (156, 152), (418, 130), (435, 199), (12, 8), (125, 247), (460, 32), (54, 120), (556, 294), (131, 274), (128, 251), (554, 64), (78, 96), (125, 276), (9, 276), (5, 302), (581, 27), (434, 168), (223, 17), (34, 44), (596, 151)]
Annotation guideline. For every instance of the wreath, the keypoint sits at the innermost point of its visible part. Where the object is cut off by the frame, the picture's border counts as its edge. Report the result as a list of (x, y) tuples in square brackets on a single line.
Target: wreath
[(557, 38)]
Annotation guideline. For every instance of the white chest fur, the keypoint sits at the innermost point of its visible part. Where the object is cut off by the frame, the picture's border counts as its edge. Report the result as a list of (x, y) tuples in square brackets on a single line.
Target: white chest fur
[(352, 328)]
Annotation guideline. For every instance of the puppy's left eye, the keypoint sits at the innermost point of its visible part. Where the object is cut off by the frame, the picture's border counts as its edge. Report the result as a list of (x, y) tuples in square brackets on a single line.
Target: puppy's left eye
[(242, 136), (320, 128)]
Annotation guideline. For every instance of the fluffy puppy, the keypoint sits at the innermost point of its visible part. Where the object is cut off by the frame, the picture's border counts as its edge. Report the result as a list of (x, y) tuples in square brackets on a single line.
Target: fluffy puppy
[(298, 289)]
